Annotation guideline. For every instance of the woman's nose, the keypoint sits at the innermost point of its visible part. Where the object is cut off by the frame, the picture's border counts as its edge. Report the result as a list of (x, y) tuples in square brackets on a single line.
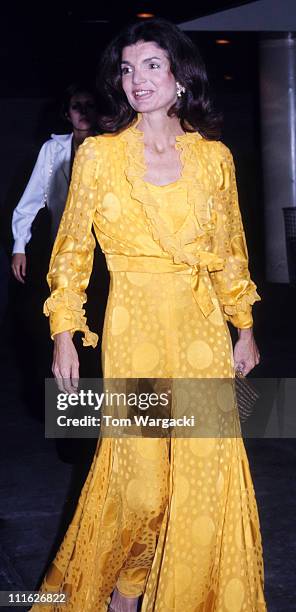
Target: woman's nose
[(138, 77)]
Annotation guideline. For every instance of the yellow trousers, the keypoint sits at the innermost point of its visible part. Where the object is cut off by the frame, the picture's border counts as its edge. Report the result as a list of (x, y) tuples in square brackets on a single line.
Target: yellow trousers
[(176, 520)]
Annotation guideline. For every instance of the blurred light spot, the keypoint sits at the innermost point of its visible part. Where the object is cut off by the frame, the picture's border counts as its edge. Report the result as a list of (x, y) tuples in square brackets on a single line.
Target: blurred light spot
[(145, 15), (222, 41)]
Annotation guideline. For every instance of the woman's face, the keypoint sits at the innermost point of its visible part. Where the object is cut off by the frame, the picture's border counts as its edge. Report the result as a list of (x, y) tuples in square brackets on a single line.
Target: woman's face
[(147, 79), (82, 112)]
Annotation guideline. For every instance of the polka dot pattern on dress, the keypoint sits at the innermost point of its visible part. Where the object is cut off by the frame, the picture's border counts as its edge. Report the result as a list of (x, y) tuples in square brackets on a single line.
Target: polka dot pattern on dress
[(176, 519)]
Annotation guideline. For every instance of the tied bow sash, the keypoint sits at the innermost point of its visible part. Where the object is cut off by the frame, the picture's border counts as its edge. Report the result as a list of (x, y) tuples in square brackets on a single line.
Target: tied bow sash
[(208, 262), (205, 262)]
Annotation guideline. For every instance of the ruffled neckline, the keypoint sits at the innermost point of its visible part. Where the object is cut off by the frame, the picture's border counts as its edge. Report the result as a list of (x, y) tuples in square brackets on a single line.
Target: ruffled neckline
[(200, 218), (181, 141)]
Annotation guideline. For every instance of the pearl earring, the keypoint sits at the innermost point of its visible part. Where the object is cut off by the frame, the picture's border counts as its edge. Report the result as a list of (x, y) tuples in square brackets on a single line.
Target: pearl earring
[(180, 89)]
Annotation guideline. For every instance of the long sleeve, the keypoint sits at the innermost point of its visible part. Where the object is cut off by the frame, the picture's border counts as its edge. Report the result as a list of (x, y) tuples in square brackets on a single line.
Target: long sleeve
[(72, 255), (32, 200), (235, 289)]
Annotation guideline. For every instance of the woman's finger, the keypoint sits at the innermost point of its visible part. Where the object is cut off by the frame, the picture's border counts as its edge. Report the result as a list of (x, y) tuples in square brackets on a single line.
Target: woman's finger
[(75, 376), (59, 380), (67, 382), (240, 366), (60, 384)]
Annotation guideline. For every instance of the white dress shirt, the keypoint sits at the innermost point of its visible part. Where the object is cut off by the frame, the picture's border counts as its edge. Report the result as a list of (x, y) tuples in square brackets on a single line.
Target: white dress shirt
[(48, 186)]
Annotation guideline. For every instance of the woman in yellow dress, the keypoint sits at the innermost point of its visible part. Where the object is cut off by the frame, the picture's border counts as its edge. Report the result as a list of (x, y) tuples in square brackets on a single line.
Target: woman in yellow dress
[(175, 521)]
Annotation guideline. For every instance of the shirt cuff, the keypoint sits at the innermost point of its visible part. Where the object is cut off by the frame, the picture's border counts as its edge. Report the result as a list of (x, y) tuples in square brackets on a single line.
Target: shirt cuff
[(19, 246)]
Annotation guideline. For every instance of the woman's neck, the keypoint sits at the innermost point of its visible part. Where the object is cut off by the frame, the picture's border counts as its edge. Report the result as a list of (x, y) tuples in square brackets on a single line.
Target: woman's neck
[(159, 130), (80, 135)]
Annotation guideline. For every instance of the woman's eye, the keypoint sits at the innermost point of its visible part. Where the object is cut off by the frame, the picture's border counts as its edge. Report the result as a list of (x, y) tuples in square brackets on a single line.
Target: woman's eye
[(153, 65), (125, 70)]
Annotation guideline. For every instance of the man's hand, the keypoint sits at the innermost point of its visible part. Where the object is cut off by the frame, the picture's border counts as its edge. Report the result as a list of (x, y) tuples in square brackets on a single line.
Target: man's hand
[(19, 265)]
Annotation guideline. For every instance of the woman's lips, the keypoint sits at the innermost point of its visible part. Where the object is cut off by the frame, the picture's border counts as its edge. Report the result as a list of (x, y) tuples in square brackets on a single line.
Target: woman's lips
[(142, 94)]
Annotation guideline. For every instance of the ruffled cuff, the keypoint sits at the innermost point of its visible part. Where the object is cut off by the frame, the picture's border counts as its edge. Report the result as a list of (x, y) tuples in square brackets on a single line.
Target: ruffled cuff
[(239, 313), (241, 320), (66, 313)]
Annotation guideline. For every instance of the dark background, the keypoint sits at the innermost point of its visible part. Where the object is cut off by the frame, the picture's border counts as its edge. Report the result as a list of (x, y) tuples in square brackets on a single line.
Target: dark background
[(43, 49)]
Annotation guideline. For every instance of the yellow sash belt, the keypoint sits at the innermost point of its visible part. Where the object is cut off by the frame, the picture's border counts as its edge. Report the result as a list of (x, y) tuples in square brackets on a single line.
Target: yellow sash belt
[(207, 262)]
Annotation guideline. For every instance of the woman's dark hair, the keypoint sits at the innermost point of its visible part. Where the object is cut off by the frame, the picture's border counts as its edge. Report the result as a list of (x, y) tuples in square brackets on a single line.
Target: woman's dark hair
[(72, 90), (194, 108)]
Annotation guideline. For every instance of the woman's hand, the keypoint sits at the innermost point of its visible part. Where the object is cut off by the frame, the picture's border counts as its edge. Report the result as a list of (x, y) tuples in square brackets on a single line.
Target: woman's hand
[(65, 366), (246, 353), (18, 265)]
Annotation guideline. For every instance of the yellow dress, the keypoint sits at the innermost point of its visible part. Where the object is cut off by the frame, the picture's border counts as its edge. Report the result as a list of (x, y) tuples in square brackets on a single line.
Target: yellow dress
[(174, 520)]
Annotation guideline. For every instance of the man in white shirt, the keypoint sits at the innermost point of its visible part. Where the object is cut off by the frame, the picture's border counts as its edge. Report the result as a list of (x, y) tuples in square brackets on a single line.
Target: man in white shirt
[(50, 179)]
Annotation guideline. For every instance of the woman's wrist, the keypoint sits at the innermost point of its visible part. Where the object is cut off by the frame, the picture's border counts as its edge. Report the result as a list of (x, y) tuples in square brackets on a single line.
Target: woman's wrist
[(60, 336), (245, 333)]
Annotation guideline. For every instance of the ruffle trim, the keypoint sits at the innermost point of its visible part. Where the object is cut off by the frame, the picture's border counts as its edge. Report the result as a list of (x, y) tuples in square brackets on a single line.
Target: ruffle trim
[(201, 217), (70, 305), (244, 302)]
